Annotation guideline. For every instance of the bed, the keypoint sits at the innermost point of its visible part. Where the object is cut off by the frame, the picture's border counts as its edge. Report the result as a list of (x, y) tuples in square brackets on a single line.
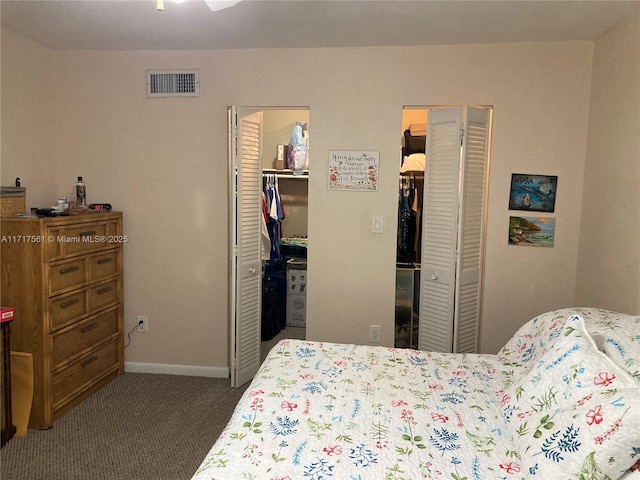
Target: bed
[(560, 400)]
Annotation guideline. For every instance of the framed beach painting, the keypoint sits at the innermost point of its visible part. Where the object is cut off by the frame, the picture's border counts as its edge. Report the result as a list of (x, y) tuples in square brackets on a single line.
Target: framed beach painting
[(534, 193), (532, 231)]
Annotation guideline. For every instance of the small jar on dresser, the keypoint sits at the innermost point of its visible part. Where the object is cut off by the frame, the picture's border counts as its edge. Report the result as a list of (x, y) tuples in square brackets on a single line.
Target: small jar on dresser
[(63, 275)]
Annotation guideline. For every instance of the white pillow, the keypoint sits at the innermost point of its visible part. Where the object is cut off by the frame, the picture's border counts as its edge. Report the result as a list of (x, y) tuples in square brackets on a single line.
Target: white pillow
[(413, 163), (575, 414), (533, 338)]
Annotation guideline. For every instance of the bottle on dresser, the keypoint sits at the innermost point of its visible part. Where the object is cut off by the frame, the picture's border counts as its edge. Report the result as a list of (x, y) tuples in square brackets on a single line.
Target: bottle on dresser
[(81, 194)]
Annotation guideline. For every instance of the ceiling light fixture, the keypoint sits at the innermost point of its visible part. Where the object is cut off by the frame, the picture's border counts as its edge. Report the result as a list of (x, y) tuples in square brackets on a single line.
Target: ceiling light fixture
[(214, 5)]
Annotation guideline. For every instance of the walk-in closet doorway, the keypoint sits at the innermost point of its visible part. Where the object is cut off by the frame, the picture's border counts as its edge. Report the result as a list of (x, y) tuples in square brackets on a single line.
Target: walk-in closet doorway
[(268, 232), (442, 205)]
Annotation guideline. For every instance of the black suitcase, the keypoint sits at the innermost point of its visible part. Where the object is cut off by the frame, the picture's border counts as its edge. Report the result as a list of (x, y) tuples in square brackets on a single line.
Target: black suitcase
[(271, 323), (277, 272)]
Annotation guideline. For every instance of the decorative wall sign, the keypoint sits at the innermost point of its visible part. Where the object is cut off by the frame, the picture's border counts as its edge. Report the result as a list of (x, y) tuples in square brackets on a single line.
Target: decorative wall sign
[(535, 193), (353, 170), (532, 231)]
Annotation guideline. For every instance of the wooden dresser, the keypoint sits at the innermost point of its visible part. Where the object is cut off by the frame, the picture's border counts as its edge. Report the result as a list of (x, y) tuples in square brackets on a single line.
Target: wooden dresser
[(63, 276)]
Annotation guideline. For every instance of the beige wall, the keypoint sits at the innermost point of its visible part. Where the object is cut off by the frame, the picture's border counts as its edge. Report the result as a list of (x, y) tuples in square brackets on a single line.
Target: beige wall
[(28, 148), (163, 162), (609, 252), (539, 127)]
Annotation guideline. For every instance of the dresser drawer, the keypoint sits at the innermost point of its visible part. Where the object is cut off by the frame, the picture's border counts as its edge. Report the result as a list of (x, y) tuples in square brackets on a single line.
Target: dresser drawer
[(77, 375), (83, 335), (66, 309), (67, 275), (84, 238), (80, 238), (103, 294), (104, 265)]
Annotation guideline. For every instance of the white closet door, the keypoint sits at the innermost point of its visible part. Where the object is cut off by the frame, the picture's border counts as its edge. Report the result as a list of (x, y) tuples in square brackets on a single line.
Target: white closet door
[(246, 260), (453, 229), (471, 230), (439, 230)]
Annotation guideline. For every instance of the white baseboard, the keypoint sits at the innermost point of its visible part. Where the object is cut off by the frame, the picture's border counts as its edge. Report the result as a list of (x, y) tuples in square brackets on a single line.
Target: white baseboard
[(189, 370)]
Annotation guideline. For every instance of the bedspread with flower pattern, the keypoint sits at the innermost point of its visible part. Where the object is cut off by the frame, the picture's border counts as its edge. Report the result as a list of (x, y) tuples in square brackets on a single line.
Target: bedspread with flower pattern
[(352, 412)]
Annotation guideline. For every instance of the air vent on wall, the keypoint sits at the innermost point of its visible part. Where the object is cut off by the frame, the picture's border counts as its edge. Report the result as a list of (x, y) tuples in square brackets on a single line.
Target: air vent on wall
[(173, 83)]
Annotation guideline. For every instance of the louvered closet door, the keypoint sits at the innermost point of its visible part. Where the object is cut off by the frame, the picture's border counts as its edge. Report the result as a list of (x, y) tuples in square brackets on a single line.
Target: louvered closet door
[(471, 231), (452, 230), (439, 230), (246, 254)]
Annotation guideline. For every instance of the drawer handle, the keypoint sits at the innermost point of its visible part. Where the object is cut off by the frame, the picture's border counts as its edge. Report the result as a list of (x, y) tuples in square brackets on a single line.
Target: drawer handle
[(105, 260), (89, 361), (88, 328), (70, 302), (104, 290), (69, 269), (87, 234)]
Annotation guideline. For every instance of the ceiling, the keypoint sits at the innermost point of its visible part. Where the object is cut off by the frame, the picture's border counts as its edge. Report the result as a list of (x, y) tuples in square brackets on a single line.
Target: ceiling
[(137, 25)]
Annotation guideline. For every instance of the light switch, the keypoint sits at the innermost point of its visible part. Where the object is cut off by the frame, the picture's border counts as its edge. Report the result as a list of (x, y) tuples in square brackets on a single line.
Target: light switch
[(378, 224)]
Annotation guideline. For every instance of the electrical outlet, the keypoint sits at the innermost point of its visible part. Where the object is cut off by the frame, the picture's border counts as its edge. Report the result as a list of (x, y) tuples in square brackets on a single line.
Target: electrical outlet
[(142, 324), (374, 333)]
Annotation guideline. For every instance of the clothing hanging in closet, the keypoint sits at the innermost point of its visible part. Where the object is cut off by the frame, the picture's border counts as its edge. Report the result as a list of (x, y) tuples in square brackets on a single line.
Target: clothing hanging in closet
[(409, 219), (273, 214)]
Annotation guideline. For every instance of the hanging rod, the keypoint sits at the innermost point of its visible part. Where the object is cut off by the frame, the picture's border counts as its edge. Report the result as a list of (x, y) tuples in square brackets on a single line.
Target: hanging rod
[(412, 175), (285, 173)]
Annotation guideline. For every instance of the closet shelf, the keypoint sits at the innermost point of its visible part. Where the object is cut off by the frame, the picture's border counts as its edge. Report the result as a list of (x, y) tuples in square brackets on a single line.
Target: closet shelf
[(285, 173), (412, 173)]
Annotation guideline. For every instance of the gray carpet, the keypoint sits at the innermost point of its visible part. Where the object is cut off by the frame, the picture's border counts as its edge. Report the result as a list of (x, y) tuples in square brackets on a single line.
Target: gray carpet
[(139, 427)]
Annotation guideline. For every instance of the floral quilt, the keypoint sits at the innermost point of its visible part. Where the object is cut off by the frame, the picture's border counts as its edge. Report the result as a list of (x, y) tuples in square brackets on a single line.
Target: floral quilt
[(337, 411)]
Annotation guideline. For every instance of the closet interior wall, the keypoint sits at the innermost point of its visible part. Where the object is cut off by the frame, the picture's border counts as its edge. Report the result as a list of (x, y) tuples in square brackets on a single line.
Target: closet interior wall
[(408, 255), (278, 125), (284, 264)]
